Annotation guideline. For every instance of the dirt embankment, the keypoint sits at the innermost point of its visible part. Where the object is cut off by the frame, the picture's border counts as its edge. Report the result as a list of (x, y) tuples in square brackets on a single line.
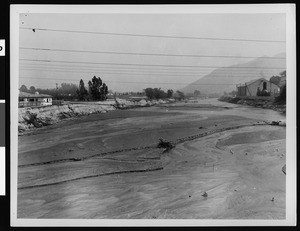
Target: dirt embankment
[(30, 118), (255, 102)]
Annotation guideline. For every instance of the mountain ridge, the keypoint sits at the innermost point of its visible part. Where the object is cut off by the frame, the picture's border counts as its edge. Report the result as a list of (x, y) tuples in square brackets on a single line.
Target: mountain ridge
[(226, 78)]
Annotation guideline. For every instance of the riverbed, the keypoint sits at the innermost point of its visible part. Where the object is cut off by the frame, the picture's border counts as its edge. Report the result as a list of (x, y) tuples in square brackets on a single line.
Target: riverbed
[(226, 164)]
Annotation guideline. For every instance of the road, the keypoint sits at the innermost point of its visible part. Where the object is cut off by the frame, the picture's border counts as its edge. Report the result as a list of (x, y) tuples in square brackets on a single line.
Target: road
[(108, 165)]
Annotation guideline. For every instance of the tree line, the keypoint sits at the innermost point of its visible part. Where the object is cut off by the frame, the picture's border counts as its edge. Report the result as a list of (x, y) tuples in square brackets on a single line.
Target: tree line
[(158, 93), (97, 90)]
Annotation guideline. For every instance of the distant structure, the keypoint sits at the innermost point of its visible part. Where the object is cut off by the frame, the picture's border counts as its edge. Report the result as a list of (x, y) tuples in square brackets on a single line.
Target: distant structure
[(252, 88), (31, 100)]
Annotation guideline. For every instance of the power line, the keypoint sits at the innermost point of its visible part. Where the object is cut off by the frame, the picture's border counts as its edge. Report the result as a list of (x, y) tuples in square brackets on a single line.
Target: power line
[(109, 69), (224, 73), (151, 36), (135, 82), (147, 54), (152, 65), (125, 73), (137, 73), (119, 68)]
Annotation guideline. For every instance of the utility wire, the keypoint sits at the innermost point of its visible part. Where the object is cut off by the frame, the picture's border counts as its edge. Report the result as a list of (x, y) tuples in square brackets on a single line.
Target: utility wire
[(136, 82), (127, 70), (120, 68), (137, 73), (151, 36), (123, 73), (147, 54), (150, 65)]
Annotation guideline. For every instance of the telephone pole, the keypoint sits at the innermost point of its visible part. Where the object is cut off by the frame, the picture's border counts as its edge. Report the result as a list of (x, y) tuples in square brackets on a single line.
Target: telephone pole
[(56, 91)]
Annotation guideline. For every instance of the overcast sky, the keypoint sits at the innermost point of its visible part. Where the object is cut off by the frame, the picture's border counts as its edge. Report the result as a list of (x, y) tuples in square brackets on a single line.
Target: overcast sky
[(132, 77)]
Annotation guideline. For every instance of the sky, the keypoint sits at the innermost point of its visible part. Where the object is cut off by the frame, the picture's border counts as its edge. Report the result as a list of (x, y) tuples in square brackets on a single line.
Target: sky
[(125, 72)]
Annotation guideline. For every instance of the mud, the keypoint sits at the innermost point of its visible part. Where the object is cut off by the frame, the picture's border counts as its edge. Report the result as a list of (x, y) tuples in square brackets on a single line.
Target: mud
[(109, 166)]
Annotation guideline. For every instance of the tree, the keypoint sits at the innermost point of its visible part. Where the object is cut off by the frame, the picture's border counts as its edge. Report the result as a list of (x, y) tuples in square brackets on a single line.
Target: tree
[(169, 93), (275, 79), (282, 74), (155, 93), (23, 88), (97, 91), (149, 93), (104, 91), (81, 91), (32, 89), (180, 95), (197, 93)]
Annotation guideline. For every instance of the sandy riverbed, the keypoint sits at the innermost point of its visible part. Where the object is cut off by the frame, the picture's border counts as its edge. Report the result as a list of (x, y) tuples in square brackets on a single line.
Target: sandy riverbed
[(108, 166)]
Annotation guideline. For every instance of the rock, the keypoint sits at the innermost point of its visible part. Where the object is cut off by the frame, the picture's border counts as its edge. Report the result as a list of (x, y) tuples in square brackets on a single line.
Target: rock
[(204, 194)]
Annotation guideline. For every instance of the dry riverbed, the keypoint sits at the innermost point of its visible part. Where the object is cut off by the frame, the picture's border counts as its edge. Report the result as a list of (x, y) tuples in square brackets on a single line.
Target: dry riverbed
[(108, 165)]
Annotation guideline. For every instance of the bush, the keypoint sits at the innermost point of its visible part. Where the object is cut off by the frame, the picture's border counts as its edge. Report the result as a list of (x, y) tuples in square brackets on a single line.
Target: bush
[(263, 93), (234, 100)]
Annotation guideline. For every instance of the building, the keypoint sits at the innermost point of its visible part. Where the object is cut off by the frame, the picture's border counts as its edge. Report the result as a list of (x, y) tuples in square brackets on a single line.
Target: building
[(252, 87), (31, 100)]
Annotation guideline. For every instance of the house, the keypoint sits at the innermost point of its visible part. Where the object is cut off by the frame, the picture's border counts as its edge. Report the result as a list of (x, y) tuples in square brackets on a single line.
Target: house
[(252, 87), (29, 100)]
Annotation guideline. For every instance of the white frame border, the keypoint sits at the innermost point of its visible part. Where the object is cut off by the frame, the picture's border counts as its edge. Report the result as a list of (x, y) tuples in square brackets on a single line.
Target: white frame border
[(289, 9)]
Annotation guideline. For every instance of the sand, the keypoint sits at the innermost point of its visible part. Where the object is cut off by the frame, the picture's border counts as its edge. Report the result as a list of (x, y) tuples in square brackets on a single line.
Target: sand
[(108, 165)]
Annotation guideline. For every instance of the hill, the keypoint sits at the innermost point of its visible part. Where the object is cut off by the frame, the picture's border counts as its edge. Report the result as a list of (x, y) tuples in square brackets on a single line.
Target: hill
[(226, 78)]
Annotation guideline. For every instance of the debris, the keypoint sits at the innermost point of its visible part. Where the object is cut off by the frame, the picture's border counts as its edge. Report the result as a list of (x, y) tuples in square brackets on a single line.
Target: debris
[(200, 127), (246, 153), (272, 199), (204, 194), (33, 30), (189, 195), (231, 151), (165, 144), (275, 123)]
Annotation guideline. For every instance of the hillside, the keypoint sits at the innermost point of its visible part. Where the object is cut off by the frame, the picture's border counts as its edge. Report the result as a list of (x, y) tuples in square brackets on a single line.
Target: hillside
[(226, 78)]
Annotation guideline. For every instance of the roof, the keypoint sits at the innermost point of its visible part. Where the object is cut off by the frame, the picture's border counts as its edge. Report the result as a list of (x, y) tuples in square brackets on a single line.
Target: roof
[(253, 81), (28, 95)]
